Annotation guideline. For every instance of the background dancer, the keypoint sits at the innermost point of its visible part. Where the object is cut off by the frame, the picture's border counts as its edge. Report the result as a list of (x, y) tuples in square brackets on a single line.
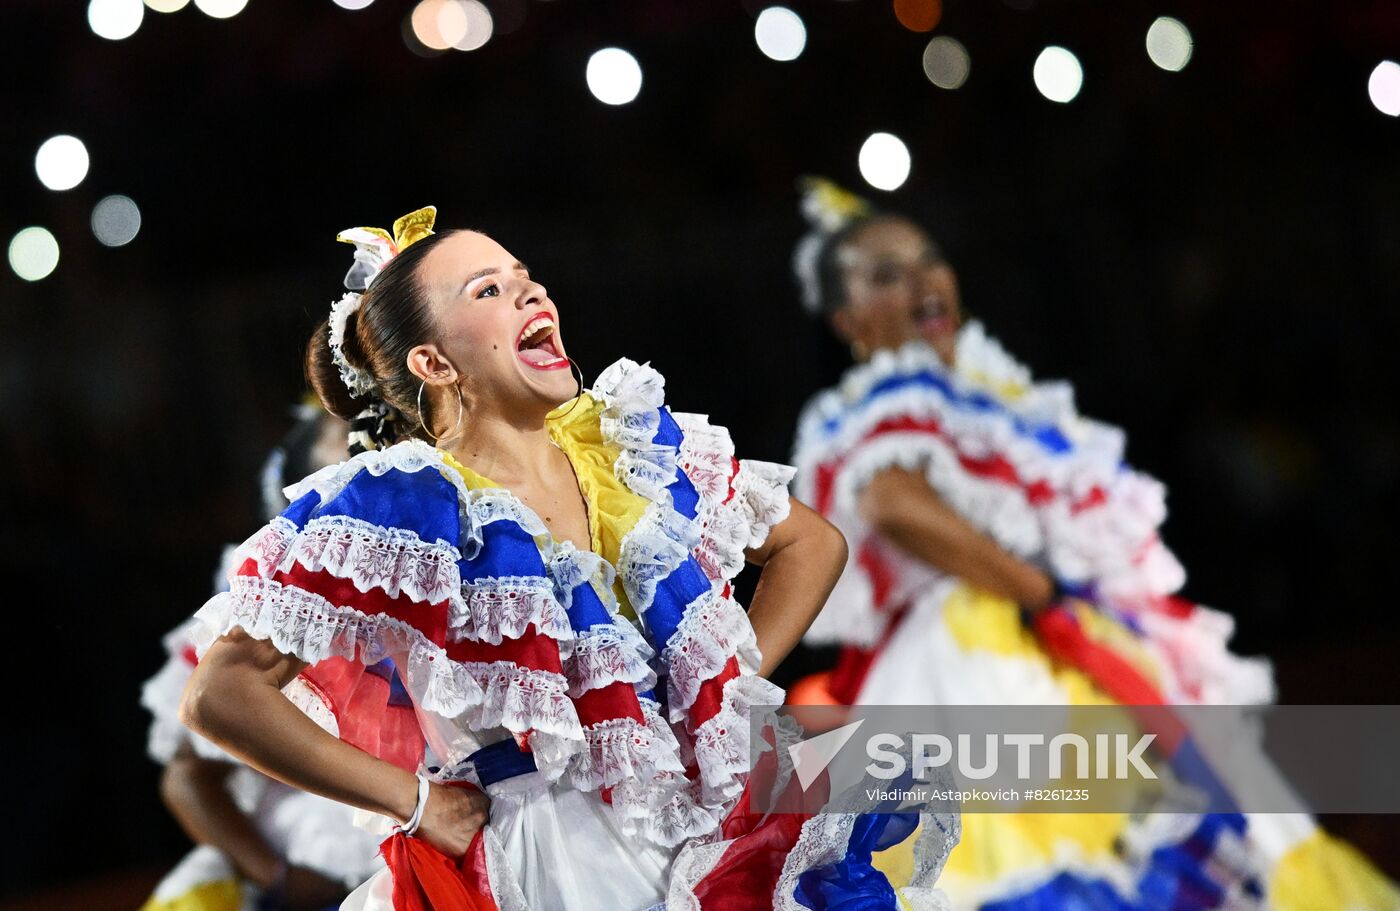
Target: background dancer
[(261, 844), (974, 498)]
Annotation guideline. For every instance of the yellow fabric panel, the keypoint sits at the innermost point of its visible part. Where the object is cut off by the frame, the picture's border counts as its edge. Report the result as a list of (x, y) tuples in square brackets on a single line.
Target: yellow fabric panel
[(218, 895), (613, 509), (980, 621), (995, 846), (1322, 873)]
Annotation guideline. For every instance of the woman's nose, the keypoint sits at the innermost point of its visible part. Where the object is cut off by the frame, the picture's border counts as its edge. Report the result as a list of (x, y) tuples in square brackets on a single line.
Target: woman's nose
[(532, 294)]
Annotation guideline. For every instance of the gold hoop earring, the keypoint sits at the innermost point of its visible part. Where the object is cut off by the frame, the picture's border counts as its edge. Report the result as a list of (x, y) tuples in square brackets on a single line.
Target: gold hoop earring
[(578, 378), (460, 408)]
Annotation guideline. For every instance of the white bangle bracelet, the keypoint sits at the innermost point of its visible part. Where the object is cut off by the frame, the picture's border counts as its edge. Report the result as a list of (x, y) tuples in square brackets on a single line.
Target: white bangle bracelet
[(408, 828)]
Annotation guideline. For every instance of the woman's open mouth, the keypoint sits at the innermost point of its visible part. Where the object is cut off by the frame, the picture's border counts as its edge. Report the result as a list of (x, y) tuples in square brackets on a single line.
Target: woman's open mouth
[(933, 315), (537, 346)]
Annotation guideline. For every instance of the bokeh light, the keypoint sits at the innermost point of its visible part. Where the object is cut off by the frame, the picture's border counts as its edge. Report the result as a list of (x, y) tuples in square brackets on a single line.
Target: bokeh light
[(221, 9), (1169, 44), (1058, 74), (352, 4), (884, 161), (946, 62), (167, 6), (1384, 88), (780, 33), (61, 162), (479, 25), (116, 221), (918, 15), (33, 254), (614, 76), (115, 19), (439, 24)]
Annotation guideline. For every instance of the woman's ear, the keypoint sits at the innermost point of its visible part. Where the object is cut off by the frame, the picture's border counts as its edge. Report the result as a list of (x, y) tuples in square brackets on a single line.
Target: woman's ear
[(428, 364)]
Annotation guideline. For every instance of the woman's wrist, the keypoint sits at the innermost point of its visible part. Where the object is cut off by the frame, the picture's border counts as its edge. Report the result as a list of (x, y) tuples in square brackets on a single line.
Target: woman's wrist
[(399, 796)]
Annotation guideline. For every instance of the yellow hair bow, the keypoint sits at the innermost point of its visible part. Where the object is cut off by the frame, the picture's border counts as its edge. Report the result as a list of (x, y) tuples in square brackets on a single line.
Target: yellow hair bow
[(830, 206), (374, 246)]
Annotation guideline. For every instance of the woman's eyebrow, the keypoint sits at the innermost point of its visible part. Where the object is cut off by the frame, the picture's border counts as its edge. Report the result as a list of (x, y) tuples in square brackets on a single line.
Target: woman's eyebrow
[(492, 270)]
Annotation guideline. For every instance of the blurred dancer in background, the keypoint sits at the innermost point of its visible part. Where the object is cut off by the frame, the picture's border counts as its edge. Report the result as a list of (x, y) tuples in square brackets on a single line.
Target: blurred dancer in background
[(976, 501), (262, 844)]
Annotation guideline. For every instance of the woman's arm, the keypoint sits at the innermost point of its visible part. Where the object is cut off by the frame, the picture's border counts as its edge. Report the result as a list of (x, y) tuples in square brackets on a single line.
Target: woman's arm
[(802, 558), (910, 514), (235, 699), (195, 790)]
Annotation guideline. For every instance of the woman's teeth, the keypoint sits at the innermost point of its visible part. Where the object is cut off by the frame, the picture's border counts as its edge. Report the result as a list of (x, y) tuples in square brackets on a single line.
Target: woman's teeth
[(532, 329), (536, 346)]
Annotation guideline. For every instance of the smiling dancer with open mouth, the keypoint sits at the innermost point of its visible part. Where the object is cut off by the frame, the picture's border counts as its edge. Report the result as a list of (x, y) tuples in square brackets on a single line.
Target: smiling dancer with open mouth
[(547, 572), (973, 499)]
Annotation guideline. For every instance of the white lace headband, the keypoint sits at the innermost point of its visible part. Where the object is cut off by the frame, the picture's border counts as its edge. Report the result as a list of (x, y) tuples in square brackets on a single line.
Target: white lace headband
[(374, 247)]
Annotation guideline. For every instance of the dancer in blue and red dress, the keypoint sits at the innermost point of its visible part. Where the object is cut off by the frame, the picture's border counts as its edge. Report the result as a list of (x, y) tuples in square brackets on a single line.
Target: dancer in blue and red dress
[(507, 626), (972, 497)]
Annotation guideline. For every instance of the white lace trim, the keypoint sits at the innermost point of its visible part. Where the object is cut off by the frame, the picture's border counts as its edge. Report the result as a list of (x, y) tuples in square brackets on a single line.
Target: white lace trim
[(485, 695), (655, 547), (371, 556), (713, 629), (1202, 669), (643, 753), (505, 889), (501, 607), (939, 834), (706, 455), (761, 490), (1106, 540), (394, 560), (721, 744), (476, 508), (739, 502), (307, 698), (677, 816), (408, 456), (608, 653), (995, 507)]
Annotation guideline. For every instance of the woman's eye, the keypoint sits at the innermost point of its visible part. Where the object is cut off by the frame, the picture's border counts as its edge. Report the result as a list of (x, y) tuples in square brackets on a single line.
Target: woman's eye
[(491, 290)]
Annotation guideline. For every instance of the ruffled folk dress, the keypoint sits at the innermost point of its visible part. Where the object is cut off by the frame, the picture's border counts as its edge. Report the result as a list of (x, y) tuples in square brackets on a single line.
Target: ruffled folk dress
[(1015, 458), (304, 829), (601, 698)]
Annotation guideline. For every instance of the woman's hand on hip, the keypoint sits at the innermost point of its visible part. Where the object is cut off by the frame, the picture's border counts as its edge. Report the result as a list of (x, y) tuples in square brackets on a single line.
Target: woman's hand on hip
[(452, 817)]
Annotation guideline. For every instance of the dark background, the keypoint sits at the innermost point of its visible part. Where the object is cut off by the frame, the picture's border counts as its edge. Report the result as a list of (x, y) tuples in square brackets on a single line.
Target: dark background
[(1211, 256)]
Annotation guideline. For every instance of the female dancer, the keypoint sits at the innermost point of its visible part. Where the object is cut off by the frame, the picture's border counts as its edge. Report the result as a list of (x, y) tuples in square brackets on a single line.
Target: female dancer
[(551, 587), (972, 497), (261, 844)]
